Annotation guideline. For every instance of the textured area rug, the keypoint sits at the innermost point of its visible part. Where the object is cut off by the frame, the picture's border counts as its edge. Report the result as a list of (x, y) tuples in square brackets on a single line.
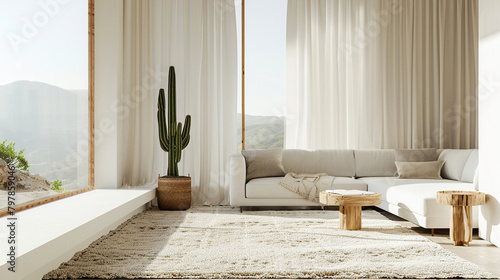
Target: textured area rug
[(220, 242)]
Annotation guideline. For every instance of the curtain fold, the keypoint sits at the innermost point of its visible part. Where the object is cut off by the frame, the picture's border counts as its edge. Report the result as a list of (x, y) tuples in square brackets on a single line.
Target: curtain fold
[(137, 125), (198, 38), (381, 74)]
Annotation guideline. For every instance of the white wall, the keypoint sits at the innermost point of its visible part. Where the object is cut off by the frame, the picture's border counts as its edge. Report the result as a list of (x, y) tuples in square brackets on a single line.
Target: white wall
[(108, 82), (489, 118)]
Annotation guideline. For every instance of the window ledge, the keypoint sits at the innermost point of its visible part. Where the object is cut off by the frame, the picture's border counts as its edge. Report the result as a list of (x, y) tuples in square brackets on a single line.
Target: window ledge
[(50, 234)]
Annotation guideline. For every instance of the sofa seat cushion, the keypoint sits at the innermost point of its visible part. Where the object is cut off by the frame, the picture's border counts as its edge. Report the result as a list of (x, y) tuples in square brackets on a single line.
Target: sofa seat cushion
[(415, 195), (270, 188)]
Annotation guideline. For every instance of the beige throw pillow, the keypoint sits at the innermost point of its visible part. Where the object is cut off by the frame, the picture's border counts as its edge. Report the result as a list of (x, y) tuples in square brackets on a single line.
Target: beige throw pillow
[(263, 163), (420, 170), (416, 154)]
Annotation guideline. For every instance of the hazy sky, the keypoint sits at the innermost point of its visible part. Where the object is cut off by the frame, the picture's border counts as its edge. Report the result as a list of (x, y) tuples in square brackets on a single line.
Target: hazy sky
[(45, 41), (48, 43), (265, 63)]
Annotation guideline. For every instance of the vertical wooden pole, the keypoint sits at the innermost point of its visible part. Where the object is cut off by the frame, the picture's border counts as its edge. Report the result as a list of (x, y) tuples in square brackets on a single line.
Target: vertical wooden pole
[(242, 74), (91, 58)]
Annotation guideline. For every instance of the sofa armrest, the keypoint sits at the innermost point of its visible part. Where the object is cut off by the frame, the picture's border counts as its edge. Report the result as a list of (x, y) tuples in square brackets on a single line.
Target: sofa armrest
[(237, 174)]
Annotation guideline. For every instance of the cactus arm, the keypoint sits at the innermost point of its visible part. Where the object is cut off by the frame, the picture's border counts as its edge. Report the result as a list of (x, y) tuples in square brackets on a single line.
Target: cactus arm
[(187, 126), (185, 132), (178, 143), (162, 128), (162, 132), (185, 142)]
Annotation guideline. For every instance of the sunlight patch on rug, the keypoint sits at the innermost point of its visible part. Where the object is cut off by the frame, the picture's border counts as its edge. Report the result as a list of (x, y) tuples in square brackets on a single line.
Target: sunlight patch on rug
[(220, 242)]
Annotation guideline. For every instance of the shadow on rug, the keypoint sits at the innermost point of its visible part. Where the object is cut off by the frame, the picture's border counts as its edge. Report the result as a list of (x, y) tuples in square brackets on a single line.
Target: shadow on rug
[(220, 242)]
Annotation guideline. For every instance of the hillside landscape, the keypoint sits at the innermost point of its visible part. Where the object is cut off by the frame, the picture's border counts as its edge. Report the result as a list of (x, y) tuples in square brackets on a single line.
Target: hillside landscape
[(263, 132), (48, 122)]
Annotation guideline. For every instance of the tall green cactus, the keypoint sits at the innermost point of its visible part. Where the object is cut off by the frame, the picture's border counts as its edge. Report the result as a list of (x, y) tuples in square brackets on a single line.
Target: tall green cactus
[(174, 138)]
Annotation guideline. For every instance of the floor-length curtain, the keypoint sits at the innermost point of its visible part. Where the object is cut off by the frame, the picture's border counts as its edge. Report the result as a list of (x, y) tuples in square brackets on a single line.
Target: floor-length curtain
[(381, 74), (137, 127), (444, 87), (198, 38)]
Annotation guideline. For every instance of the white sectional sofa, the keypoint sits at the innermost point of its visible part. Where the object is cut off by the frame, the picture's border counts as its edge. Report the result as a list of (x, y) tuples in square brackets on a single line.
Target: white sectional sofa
[(372, 170)]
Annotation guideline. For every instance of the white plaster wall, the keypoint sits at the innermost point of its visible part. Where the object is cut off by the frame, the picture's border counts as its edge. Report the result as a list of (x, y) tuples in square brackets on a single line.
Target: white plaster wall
[(108, 82), (489, 118)]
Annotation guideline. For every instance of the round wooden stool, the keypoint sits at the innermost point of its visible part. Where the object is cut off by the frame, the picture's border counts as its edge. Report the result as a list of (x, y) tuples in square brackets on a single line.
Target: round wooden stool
[(461, 201), (349, 207)]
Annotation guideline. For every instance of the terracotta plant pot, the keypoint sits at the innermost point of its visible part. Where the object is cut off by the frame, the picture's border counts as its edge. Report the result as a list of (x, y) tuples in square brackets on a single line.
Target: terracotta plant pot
[(174, 193)]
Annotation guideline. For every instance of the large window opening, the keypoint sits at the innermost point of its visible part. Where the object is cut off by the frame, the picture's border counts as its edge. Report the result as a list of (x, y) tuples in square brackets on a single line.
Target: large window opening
[(44, 100), (264, 73)]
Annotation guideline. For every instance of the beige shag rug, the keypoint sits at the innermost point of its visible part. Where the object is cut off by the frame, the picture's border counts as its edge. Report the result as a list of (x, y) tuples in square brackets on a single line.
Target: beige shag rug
[(220, 242)]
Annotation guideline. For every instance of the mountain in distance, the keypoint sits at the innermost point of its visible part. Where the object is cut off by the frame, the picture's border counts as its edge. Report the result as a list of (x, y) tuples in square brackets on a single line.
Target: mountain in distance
[(263, 132), (48, 122)]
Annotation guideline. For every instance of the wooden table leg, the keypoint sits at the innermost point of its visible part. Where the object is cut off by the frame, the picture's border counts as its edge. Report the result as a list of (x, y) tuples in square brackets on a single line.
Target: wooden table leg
[(461, 226), (350, 217), (468, 225)]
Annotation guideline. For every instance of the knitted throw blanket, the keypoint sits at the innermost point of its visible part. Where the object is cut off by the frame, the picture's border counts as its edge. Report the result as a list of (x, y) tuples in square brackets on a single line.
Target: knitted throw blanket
[(307, 185)]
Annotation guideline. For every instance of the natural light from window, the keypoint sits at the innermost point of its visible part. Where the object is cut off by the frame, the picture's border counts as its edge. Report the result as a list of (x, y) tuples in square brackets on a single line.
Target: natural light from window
[(265, 73), (43, 97)]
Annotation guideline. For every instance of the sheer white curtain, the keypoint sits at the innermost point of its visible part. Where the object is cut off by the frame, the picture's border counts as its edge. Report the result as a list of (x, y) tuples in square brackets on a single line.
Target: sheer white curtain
[(137, 127), (381, 74), (198, 38)]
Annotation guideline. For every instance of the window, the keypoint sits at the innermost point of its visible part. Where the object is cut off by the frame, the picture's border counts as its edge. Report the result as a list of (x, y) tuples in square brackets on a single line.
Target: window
[(44, 99), (265, 73)]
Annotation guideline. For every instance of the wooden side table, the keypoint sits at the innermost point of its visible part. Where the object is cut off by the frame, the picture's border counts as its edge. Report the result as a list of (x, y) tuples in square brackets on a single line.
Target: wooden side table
[(349, 207), (461, 201)]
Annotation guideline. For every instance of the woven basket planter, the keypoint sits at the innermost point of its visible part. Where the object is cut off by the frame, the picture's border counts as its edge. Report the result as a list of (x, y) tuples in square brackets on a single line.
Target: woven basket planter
[(174, 193)]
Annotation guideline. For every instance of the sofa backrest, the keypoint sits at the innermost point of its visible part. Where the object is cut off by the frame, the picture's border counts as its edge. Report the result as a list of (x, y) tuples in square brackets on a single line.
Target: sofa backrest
[(459, 165), (470, 167), (332, 162), (375, 163)]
